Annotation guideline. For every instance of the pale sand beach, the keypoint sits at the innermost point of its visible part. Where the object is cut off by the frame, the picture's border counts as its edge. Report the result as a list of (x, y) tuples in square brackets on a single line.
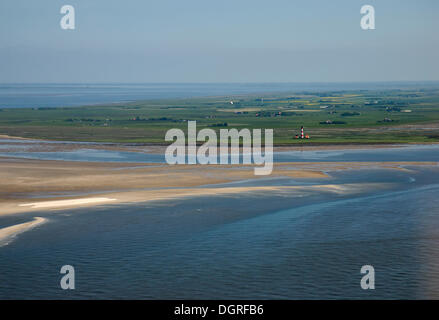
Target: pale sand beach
[(174, 194), (6, 234), (29, 185), (65, 203)]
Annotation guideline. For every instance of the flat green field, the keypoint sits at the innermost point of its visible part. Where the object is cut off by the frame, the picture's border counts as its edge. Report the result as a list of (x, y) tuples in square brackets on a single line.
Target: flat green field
[(339, 117)]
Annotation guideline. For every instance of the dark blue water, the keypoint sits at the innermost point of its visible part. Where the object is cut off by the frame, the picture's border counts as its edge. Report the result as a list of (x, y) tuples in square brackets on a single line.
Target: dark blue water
[(258, 246), (62, 95)]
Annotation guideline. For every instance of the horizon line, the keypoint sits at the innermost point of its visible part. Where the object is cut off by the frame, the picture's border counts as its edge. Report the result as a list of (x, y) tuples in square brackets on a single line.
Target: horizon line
[(226, 82)]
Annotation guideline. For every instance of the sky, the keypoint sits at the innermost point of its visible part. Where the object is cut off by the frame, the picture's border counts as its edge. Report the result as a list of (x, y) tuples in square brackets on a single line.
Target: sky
[(218, 41)]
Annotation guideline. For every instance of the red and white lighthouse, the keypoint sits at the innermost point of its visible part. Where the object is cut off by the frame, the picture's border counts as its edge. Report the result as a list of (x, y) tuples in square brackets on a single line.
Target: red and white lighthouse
[(302, 134)]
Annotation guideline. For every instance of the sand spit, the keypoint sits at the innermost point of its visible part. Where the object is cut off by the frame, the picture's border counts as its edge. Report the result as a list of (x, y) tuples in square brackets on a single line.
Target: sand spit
[(290, 191), (144, 196), (9, 233), (65, 203)]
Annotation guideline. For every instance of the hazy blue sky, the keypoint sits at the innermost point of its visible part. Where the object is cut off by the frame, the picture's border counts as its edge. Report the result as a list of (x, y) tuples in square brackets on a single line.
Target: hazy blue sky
[(218, 41)]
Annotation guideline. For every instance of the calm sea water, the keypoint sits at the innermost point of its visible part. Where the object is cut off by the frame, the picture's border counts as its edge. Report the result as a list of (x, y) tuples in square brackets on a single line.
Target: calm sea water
[(243, 246), (20, 149), (59, 95)]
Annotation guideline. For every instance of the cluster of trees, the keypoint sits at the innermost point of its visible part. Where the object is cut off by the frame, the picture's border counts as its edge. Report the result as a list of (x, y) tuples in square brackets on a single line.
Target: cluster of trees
[(332, 122), (350, 114), (225, 124), (83, 120), (154, 119)]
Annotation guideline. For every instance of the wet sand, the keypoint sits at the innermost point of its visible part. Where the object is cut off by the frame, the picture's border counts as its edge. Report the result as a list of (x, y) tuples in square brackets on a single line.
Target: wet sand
[(59, 146), (24, 181), (29, 185)]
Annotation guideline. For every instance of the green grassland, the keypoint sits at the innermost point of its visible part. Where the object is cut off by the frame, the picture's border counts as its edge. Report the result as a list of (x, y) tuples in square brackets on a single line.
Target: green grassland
[(340, 117)]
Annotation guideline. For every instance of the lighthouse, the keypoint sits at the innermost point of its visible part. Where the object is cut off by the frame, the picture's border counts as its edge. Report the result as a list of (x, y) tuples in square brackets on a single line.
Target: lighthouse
[(302, 134)]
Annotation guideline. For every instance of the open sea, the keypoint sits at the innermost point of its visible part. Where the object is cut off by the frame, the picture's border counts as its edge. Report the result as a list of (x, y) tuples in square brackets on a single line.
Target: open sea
[(70, 94), (272, 246)]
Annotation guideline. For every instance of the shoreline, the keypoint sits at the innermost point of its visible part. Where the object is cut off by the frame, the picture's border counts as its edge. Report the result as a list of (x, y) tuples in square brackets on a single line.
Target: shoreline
[(163, 146), (45, 145), (8, 234), (29, 185)]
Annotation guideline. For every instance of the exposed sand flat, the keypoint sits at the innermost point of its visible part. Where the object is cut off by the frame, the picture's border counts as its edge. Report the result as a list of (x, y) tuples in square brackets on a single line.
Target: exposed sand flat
[(23, 177), (66, 203), (8, 233), (291, 191), (174, 194), (91, 183)]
